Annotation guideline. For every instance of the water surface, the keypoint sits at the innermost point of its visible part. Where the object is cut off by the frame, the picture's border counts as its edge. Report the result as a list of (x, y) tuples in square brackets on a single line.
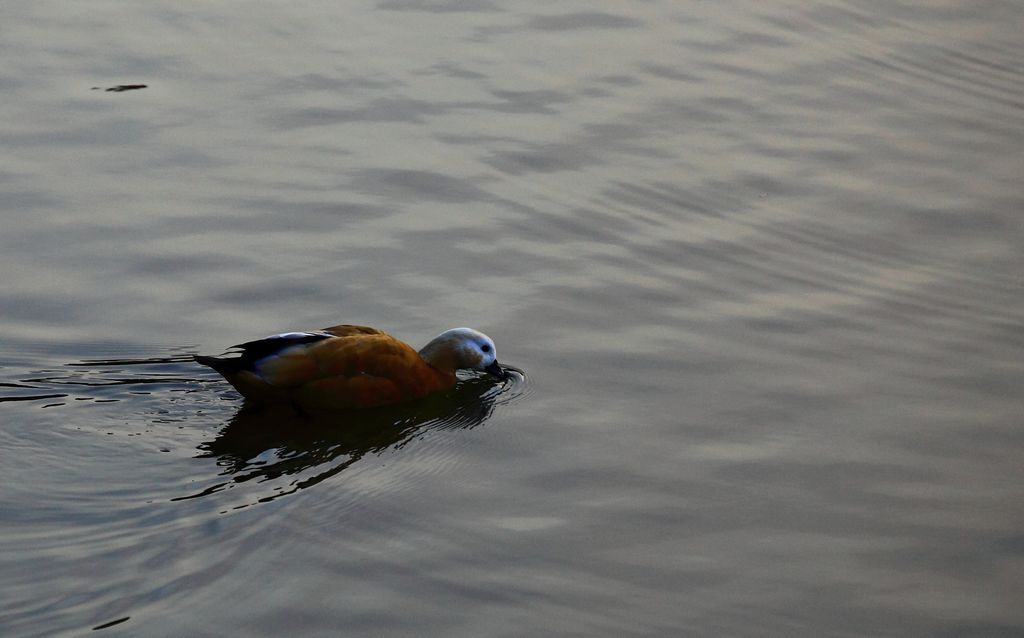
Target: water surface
[(760, 262)]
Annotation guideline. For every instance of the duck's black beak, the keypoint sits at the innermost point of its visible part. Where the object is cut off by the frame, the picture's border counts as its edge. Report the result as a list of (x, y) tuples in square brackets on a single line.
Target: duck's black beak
[(496, 370)]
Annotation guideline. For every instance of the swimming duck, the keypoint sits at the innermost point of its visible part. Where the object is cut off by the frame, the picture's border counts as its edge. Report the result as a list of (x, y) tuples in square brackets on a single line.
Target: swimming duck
[(346, 367)]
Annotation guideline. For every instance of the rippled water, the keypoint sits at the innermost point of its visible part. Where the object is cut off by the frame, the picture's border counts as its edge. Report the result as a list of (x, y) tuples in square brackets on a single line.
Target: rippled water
[(760, 263)]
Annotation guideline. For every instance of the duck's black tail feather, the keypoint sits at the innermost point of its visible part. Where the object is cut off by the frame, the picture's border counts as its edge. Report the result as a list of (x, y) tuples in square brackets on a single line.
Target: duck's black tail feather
[(224, 365)]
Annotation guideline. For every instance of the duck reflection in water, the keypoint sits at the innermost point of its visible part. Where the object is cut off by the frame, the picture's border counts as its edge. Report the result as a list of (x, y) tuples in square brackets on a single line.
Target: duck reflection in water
[(268, 442)]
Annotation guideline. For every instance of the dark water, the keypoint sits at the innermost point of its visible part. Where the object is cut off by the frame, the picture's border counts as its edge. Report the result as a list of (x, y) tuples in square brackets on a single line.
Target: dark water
[(761, 262)]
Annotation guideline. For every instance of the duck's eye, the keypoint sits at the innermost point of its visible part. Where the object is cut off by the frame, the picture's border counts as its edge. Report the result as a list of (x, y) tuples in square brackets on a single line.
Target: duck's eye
[(485, 348)]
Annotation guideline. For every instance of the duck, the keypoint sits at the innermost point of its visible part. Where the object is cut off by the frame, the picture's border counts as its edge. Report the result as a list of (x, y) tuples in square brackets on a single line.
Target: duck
[(351, 367)]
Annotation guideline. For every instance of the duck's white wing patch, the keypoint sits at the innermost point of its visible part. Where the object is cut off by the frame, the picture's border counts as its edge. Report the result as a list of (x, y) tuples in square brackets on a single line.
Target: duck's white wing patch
[(303, 336)]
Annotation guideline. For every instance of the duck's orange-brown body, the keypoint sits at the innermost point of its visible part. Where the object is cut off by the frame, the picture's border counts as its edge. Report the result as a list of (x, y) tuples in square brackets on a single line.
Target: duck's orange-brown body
[(341, 367)]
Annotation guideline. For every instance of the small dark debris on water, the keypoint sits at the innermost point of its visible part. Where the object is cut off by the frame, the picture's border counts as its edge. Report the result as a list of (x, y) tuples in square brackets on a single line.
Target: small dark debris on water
[(111, 623), (120, 88)]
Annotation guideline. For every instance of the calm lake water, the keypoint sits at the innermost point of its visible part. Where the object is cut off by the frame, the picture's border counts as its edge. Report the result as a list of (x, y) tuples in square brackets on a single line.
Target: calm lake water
[(761, 263)]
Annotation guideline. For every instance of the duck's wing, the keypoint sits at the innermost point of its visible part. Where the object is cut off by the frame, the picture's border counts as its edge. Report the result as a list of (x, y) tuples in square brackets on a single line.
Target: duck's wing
[(252, 352), (243, 371)]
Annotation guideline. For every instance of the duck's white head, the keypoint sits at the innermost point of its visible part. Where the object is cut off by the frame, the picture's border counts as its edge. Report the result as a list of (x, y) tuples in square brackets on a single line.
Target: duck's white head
[(463, 349)]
